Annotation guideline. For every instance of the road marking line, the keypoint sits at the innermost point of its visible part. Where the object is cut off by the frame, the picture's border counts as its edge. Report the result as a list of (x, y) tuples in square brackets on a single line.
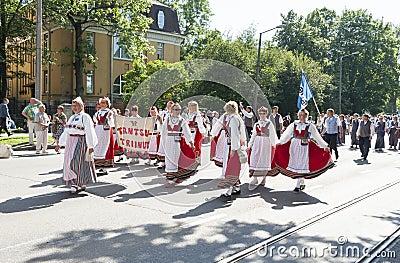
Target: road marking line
[(204, 220)]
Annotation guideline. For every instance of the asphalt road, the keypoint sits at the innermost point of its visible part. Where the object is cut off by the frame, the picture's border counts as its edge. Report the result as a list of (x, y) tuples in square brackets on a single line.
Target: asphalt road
[(129, 216)]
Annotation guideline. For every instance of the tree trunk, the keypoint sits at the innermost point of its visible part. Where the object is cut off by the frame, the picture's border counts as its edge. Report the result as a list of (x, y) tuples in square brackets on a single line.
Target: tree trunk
[(78, 60)]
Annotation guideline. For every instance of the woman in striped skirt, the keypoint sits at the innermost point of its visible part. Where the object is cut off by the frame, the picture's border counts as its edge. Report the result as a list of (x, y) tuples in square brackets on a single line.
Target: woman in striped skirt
[(79, 137)]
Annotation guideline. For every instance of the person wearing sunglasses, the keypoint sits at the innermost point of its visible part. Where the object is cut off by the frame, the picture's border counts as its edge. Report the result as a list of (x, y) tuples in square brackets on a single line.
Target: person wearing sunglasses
[(180, 160)]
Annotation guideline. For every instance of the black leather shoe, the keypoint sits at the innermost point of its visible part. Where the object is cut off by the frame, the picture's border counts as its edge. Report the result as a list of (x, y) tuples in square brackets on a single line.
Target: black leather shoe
[(236, 191), (226, 197), (302, 187), (297, 189)]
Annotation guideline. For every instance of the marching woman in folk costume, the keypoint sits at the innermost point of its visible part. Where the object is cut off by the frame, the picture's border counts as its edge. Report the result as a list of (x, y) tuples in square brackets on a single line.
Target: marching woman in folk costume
[(103, 124), (380, 128), (134, 155), (196, 125), (155, 136), (235, 137), (218, 140), (118, 151), (302, 153), (394, 132), (180, 160), (79, 139), (262, 150), (161, 152)]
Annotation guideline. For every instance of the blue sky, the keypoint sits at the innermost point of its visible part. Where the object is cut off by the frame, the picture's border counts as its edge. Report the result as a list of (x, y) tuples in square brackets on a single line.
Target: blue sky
[(233, 16)]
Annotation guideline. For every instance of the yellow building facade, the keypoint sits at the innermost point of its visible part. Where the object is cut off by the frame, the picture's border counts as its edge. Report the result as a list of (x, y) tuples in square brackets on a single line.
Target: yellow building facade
[(105, 78)]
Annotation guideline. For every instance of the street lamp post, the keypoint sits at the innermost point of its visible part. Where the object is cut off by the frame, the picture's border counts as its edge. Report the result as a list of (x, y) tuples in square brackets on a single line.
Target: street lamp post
[(38, 78), (258, 62), (340, 78)]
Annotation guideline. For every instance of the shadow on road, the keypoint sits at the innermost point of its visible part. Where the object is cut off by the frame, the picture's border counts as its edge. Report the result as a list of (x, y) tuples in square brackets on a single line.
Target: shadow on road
[(19, 204)]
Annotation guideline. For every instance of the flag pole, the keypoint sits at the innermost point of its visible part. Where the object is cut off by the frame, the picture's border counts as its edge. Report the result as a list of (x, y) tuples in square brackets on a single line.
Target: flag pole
[(315, 103)]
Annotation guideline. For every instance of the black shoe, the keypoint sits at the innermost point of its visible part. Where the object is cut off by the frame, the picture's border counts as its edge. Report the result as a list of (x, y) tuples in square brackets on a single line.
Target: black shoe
[(236, 191), (302, 187), (226, 197), (297, 189), (10, 134)]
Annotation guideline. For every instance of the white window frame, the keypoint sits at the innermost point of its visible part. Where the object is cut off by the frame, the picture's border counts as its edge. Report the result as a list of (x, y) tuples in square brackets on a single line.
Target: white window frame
[(90, 82), (160, 51), (118, 51), (119, 85)]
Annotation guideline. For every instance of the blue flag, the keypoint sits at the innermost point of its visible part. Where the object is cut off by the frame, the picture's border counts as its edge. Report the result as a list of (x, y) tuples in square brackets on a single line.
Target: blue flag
[(305, 93)]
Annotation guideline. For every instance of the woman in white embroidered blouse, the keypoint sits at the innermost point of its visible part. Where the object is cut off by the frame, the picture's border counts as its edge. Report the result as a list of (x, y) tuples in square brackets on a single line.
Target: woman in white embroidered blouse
[(79, 139)]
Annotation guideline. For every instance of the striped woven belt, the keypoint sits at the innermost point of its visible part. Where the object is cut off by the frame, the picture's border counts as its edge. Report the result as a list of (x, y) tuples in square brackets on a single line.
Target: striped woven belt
[(174, 133)]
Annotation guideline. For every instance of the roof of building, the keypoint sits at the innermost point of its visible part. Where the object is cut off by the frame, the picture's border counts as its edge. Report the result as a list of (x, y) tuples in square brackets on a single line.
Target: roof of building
[(154, 2), (164, 18)]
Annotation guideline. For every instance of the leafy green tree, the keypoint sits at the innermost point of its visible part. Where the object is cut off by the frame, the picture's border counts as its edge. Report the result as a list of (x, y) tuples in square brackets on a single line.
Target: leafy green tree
[(16, 25), (126, 18), (194, 21), (370, 78)]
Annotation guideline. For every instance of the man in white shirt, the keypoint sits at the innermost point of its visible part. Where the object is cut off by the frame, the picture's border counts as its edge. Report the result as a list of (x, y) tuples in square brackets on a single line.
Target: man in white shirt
[(277, 120), (332, 127), (248, 117)]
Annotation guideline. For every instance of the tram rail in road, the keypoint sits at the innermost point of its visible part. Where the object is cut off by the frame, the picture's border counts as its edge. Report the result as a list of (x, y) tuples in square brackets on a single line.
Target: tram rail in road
[(309, 222)]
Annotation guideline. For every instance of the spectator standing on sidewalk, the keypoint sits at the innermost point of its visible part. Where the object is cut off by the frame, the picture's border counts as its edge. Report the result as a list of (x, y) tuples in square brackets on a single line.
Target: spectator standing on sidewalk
[(42, 123), (59, 121), (29, 113), (4, 115)]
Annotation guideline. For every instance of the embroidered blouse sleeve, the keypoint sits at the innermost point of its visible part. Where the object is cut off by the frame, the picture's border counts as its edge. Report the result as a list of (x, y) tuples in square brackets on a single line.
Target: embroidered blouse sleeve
[(272, 134), (217, 126), (91, 138), (186, 131), (235, 133), (200, 123), (317, 137), (287, 134), (64, 135), (253, 136)]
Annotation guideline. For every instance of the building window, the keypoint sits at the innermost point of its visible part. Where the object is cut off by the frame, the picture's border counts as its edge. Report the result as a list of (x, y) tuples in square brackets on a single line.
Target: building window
[(46, 81), (46, 45), (90, 43), (160, 19), (119, 84), (119, 50), (160, 51), (89, 82)]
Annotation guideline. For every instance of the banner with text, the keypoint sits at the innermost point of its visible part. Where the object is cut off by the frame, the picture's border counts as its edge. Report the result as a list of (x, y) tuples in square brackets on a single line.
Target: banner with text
[(134, 134)]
